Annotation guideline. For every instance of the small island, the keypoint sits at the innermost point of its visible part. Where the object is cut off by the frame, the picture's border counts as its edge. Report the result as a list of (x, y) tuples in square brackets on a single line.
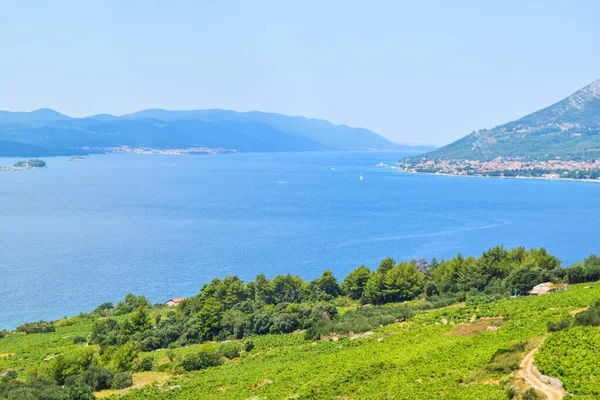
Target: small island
[(33, 163), (77, 159)]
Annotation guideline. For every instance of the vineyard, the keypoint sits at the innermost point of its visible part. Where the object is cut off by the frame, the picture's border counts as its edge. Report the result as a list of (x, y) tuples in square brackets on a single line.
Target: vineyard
[(572, 356), (457, 352)]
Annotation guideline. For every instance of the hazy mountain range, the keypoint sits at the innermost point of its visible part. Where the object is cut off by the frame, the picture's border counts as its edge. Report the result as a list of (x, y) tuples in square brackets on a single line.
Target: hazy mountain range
[(48, 132), (569, 129)]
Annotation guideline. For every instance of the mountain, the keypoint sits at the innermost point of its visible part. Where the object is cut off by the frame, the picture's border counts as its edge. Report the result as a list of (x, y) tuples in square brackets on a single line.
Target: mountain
[(163, 129), (33, 117), (569, 129), (330, 136)]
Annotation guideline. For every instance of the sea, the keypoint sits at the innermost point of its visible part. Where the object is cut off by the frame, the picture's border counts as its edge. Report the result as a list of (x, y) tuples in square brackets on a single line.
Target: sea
[(79, 233)]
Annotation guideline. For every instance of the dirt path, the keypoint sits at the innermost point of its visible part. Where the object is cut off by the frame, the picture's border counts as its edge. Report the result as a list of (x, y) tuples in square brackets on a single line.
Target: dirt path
[(526, 373)]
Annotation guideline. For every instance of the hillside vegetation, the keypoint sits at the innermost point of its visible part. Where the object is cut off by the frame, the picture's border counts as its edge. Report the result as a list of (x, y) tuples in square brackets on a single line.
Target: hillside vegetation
[(408, 330), (569, 130)]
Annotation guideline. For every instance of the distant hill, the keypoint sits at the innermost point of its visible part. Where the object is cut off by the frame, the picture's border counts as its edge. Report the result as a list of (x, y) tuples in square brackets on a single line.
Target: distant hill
[(569, 129), (36, 117), (14, 149), (330, 136), (163, 129)]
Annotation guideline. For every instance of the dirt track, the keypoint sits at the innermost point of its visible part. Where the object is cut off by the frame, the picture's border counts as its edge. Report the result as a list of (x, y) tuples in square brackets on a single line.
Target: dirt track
[(526, 373)]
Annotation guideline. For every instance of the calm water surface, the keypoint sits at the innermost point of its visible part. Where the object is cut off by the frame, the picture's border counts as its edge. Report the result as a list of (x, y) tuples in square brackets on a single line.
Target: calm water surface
[(77, 234)]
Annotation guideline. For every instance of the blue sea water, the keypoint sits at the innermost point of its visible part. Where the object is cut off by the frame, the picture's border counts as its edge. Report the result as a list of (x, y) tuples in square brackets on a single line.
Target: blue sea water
[(76, 234)]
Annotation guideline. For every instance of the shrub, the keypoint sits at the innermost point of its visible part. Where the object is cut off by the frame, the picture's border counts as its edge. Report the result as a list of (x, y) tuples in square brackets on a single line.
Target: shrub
[(208, 356), (230, 350), (171, 355), (145, 364), (2, 334), (559, 326), (10, 375), (123, 357), (78, 390), (248, 345), (511, 392), (36, 327), (529, 394), (590, 317), (98, 378), (122, 380), (79, 339), (505, 362)]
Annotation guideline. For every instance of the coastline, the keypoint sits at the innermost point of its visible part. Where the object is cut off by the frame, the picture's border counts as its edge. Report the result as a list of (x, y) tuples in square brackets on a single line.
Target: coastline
[(541, 178)]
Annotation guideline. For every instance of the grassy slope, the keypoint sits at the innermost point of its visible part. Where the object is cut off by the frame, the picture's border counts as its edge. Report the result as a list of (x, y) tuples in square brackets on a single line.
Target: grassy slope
[(422, 359)]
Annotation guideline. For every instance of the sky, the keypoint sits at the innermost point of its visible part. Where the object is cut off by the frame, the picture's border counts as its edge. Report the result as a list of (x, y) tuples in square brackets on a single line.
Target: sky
[(413, 71)]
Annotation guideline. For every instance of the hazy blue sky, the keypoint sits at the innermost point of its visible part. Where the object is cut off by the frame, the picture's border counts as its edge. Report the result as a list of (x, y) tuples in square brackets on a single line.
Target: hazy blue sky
[(419, 71)]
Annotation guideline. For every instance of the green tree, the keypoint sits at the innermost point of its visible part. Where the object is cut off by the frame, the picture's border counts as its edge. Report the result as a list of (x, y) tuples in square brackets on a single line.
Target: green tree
[(123, 357), (209, 318), (523, 280), (403, 282), (355, 282), (328, 284), (385, 265), (374, 289)]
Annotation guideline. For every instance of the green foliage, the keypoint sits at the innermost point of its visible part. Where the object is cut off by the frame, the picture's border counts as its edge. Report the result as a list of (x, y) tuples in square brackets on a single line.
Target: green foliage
[(36, 327), (230, 350), (589, 317), (355, 282), (79, 340), (560, 325), (131, 303), (32, 389), (523, 280), (37, 163), (248, 345), (70, 364), (121, 359), (122, 380), (144, 364), (571, 355), (98, 378), (529, 394), (207, 356)]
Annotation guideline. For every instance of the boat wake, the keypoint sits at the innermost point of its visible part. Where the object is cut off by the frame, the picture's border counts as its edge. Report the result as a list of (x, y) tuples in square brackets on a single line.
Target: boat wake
[(352, 242)]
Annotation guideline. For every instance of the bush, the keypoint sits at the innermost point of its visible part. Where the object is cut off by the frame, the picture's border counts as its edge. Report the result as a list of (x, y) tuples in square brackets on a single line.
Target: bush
[(79, 339), (529, 394), (230, 350), (98, 378), (10, 375), (2, 334), (505, 362), (171, 355), (559, 326), (590, 317), (206, 357), (36, 327), (122, 380), (78, 390), (511, 392), (248, 345), (145, 364)]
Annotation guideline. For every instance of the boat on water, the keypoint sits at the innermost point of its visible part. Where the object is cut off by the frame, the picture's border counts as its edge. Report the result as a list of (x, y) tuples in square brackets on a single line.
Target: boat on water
[(382, 165), (361, 177)]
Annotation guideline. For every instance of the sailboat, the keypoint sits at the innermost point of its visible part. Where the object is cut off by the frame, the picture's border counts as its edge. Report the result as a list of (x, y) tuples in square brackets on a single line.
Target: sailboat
[(361, 177)]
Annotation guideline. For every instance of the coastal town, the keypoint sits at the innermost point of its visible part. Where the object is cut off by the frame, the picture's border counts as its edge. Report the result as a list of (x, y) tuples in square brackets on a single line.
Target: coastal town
[(147, 150), (507, 167)]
